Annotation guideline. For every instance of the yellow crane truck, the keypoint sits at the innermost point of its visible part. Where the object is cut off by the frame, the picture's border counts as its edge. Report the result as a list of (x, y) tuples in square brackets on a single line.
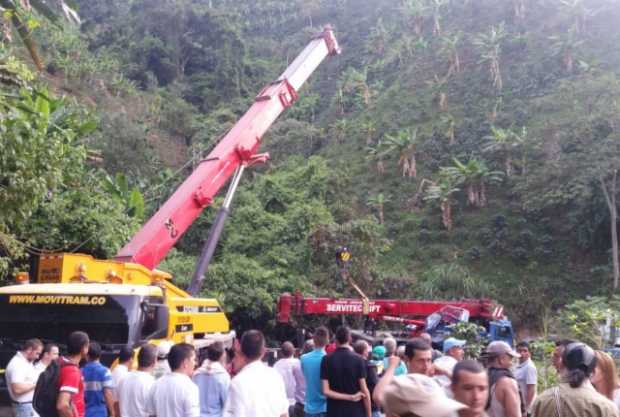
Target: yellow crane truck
[(126, 300)]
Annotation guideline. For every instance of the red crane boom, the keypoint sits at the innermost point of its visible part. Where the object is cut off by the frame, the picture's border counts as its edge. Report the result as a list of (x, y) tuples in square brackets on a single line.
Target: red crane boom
[(237, 148)]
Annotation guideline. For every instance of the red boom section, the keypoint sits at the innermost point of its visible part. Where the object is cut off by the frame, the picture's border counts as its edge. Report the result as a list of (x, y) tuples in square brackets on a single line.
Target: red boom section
[(291, 305), (239, 146)]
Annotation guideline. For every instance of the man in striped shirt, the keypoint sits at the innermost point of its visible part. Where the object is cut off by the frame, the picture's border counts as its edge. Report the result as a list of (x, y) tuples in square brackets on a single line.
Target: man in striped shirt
[(98, 385)]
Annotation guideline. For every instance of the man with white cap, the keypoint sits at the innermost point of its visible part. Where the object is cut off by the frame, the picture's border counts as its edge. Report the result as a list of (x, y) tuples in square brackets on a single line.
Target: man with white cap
[(504, 398), (419, 396), (162, 367), (452, 353)]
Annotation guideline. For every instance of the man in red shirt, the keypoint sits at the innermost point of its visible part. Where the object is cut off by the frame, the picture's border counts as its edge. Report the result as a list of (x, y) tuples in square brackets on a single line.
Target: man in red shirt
[(70, 401)]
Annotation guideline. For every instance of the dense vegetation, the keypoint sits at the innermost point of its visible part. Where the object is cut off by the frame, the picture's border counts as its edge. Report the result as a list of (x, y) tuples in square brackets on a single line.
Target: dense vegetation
[(460, 148)]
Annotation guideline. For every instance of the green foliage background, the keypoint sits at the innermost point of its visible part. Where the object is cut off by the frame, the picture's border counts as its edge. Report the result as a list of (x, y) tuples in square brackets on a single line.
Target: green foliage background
[(457, 147)]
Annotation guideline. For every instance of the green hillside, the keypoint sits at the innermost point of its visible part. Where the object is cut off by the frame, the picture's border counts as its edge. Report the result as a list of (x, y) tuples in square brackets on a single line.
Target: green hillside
[(459, 148)]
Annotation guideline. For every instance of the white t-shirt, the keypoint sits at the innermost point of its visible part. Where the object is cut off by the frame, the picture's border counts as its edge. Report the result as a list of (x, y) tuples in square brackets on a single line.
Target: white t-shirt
[(118, 373), (256, 391), (447, 363), (20, 371), (133, 394), (526, 374), (174, 395), (285, 368), (39, 367)]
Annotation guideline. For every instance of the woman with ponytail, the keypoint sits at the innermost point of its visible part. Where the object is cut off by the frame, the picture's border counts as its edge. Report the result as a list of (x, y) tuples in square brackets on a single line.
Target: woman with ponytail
[(575, 396)]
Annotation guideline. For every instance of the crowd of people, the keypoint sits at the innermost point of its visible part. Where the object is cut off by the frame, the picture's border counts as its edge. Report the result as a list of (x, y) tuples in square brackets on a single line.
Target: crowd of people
[(328, 378)]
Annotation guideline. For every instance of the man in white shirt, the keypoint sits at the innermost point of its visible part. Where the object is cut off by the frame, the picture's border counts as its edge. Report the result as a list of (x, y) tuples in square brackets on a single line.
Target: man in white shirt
[(285, 367), (174, 394), (526, 375), (133, 390), (21, 378), (125, 357), (257, 390), (50, 354), (452, 353)]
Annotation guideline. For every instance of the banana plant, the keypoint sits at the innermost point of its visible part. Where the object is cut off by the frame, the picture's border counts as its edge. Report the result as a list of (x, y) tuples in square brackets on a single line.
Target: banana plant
[(490, 45), (443, 192), (474, 176), (21, 15), (506, 144), (378, 203), (404, 144)]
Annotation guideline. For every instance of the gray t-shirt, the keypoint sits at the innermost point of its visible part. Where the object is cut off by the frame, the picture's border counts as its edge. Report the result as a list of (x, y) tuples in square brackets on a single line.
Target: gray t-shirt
[(526, 374)]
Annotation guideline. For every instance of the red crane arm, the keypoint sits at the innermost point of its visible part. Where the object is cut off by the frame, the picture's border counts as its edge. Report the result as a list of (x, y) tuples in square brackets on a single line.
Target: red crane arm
[(239, 146)]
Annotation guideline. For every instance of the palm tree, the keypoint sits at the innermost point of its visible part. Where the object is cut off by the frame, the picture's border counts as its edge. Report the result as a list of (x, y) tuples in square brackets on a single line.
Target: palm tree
[(18, 11), (415, 12), (578, 13), (489, 44), (375, 154), (355, 88), (437, 5), (378, 202), (449, 49), (519, 9), (339, 129), (505, 143), (369, 127), (447, 127), (438, 87), (442, 191), (474, 176), (377, 39), (566, 46), (497, 105), (404, 145)]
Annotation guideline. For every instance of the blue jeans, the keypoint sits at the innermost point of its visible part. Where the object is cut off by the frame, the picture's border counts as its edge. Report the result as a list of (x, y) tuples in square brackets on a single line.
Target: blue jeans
[(377, 414), (23, 410), (315, 415)]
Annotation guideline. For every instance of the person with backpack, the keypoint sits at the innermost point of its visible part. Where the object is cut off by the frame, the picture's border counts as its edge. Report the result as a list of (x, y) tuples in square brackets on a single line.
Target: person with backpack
[(504, 397), (70, 401)]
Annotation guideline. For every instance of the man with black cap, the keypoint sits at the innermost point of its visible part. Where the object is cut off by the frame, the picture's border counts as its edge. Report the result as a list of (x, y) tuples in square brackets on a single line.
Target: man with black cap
[(504, 398), (575, 396)]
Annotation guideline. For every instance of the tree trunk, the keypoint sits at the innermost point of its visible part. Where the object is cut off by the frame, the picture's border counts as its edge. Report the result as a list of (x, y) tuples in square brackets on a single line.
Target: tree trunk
[(413, 169), (508, 167), (446, 214), (610, 198), (483, 195), (471, 195), (417, 26), (380, 213), (443, 101), (457, 62), (568, 61), (436, 26), (405, 164)]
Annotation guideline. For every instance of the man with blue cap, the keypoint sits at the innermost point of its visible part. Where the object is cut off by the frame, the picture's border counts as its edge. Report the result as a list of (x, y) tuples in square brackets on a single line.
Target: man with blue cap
[(452, 353)]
